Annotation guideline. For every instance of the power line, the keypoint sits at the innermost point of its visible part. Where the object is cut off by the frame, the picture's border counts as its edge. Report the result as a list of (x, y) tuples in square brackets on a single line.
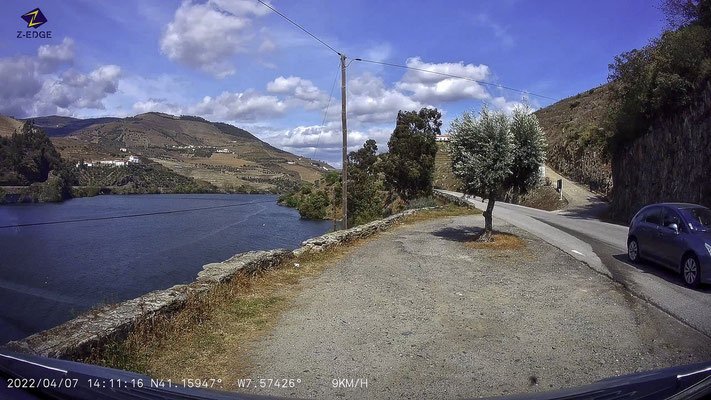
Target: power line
[(299, 26), (405, 66), (132, 215), (457, 77), (325, 112)]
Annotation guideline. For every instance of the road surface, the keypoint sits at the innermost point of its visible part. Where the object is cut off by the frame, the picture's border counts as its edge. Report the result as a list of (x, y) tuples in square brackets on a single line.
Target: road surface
[(603, 246), (421, 312)]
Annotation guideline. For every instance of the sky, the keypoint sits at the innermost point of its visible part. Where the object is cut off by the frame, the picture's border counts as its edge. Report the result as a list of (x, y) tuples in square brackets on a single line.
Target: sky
[(238, 62)]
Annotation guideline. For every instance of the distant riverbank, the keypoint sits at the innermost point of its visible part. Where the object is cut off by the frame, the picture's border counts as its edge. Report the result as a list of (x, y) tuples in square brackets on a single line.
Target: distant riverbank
[(37, 194)]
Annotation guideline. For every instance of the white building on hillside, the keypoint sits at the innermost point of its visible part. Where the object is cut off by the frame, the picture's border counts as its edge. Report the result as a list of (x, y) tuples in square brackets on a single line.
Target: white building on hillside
[(113, 163)]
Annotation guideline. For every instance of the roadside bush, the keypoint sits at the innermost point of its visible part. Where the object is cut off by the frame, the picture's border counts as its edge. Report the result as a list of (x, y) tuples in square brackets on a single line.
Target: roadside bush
[(661, 78), (88, 191), (332, 177), (421, 202), (313, 206)]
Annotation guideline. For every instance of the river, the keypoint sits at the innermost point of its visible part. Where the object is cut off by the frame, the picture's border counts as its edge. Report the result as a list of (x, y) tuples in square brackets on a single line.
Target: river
[(59, 260)]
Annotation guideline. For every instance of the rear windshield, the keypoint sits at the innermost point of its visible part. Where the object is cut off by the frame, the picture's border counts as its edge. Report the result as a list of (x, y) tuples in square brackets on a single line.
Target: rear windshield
[(699, 218)]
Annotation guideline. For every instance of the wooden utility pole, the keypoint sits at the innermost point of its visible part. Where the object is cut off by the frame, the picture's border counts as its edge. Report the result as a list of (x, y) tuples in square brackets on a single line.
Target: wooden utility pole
[(345, 142)]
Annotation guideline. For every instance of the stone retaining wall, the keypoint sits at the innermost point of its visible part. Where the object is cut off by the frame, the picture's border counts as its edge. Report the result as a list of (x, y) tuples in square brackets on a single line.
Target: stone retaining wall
[(452, 198), (76, 338)]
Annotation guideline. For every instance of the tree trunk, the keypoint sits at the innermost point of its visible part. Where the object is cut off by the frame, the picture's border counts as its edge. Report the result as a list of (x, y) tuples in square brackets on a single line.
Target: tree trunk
[(488, 216)]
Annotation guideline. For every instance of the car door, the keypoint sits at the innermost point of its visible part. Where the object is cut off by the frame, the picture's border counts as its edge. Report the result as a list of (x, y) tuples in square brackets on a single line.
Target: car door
[(670, 243), (647, 234)]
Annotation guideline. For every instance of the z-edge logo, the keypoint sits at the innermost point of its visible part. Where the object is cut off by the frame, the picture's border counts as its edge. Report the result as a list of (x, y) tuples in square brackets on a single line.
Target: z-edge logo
[(34, 18)]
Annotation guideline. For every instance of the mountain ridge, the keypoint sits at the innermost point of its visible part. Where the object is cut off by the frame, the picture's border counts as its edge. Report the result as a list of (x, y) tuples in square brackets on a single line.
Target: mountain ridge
[(225, 155)]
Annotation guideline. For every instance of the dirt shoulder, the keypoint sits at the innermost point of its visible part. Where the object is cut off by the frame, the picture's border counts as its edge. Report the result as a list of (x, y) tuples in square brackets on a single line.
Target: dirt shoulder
[(581, 201), (420, 313)]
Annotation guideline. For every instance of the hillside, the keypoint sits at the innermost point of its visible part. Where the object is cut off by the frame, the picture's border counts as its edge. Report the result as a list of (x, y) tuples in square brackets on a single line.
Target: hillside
[(576, 131), (8, 125), (55, 125), (228, 157)]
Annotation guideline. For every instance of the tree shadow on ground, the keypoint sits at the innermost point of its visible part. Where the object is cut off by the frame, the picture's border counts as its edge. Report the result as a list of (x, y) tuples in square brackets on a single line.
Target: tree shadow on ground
[(463, 233), (659, 271), (459, 234)]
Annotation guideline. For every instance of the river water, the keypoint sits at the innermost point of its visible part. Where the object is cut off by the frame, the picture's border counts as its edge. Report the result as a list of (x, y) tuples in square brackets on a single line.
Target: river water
[(59, 260)]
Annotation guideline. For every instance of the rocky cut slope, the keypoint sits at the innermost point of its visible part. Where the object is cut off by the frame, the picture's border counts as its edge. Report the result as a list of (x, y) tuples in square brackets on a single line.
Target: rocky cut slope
[(671, 162)]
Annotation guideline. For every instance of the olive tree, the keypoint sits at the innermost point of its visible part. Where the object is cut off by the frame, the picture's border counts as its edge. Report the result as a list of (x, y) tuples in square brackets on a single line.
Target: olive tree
[(493, 153), (529, 151)]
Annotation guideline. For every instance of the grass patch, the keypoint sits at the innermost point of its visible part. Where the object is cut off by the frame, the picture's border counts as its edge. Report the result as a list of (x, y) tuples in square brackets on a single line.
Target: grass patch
[(500, 241), (209, 337)]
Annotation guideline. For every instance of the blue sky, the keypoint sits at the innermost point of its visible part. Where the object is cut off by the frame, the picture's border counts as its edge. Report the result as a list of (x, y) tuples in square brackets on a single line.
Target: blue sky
[(236, 61)]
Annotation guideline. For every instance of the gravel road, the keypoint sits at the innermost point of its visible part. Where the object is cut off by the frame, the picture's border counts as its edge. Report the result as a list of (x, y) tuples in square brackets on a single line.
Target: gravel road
[(581, 201), (420, 314)]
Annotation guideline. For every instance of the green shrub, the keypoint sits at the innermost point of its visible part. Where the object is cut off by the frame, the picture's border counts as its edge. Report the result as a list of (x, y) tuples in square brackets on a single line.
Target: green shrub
[(332, 177), (421, 202), (313, 206), (658, 80)]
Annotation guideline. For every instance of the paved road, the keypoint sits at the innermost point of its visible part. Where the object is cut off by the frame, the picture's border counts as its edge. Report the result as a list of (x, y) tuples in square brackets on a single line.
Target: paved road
[(419, 313), (603, 247)]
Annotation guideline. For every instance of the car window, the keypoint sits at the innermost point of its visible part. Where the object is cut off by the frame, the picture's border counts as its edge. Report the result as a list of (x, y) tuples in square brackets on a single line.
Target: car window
[(671, 217), (652, 216), (699, 218)]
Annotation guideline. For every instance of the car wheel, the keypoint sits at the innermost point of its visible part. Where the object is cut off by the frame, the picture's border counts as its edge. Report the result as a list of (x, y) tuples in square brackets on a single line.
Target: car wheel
[(690, 271), (633, 250)]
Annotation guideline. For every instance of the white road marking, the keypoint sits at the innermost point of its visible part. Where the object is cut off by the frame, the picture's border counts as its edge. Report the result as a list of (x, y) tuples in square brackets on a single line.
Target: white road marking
[(577, 252), (33, 363)]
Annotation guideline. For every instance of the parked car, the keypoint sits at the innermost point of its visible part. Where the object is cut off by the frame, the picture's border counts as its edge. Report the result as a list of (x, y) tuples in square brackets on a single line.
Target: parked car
[(676, 235)]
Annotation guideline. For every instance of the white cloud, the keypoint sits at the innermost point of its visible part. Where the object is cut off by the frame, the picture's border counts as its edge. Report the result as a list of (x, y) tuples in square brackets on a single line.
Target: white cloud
[(34, 86), (206, 35), (504, 105), (157, 105), (249, 105), (500, 32), (242, 7), (296, 88), (76, 90), (370, 101), (325, 143), (433, 88), (379, 52), (51, 56), (19, 77), (267, 46)]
